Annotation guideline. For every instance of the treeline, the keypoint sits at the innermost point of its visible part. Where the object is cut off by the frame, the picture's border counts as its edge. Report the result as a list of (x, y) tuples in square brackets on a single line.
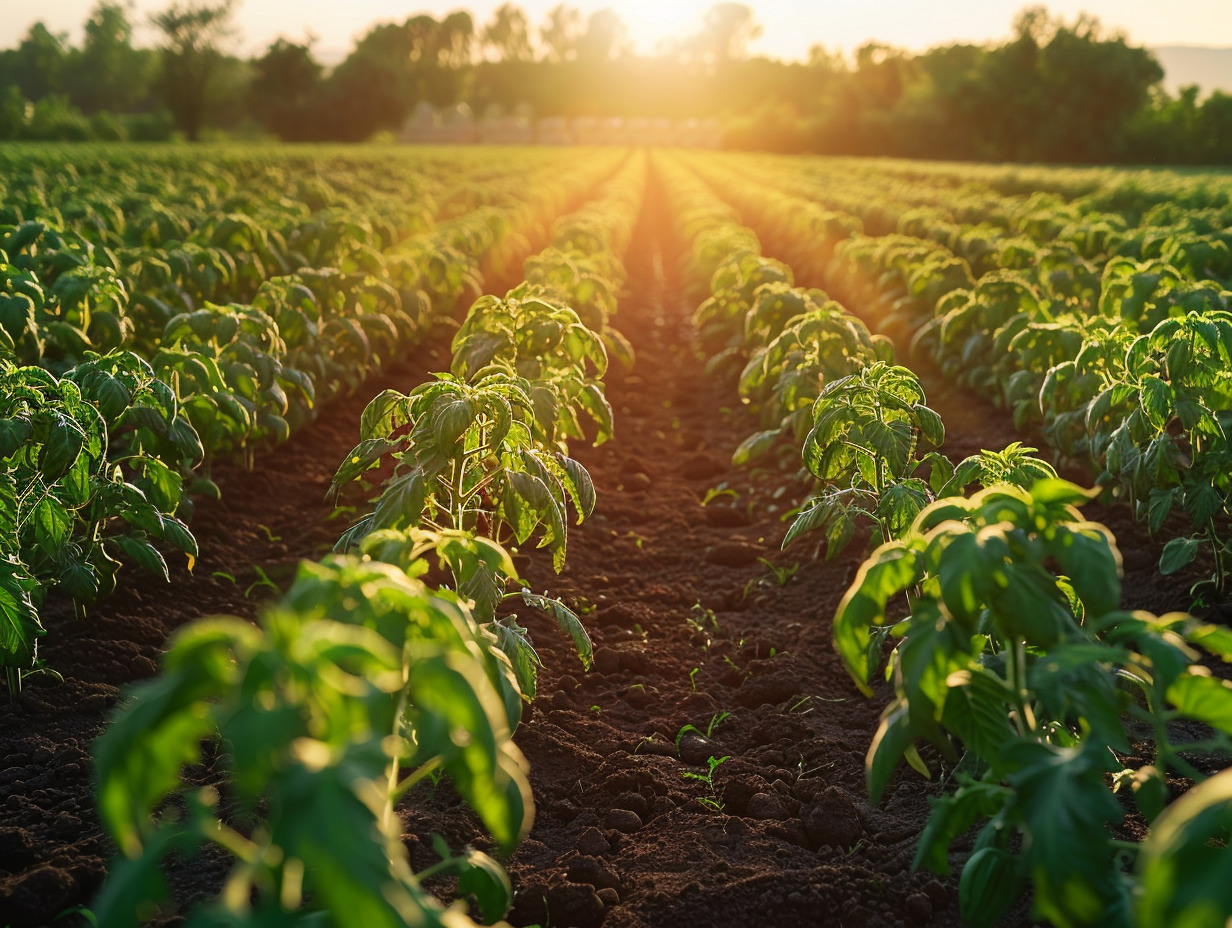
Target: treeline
[(1055, 91)]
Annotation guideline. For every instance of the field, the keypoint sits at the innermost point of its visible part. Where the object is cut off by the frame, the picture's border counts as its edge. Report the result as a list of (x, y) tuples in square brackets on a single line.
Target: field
[(223, 364)]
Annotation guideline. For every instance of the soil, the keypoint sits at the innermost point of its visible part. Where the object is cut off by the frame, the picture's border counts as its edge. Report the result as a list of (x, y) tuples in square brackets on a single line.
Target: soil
[(698, 618)]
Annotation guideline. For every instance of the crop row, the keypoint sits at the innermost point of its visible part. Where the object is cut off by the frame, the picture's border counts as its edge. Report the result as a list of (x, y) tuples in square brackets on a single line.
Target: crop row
[(1108, 332), (112, 412), (365, 679), (1012, 663)]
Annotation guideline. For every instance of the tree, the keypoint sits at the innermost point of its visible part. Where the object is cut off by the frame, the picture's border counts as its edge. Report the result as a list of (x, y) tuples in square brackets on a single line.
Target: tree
[(728, 30), (193, 37), (605, 38), (36, 66), (508, 34), (285, 90), (560, 33), (373, 88), (1057, 92), (456, 43), (108, 73)]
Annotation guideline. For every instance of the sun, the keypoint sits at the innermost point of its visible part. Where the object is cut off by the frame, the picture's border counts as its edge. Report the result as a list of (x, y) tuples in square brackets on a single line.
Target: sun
[(653, 24)]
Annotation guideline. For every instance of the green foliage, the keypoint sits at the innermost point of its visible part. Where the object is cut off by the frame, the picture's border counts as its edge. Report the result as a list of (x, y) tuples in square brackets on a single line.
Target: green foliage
[(89, 474), (863, 446), (1011, 660), (362, 682), (359, 672)]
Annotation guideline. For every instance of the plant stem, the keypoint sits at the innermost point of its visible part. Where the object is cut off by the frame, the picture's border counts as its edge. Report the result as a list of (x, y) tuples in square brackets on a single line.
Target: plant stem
[(410, 782), (391, 792)]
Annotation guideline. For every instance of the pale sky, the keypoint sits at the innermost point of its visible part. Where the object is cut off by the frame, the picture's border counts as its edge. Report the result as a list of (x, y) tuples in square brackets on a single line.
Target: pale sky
[(789, 28)]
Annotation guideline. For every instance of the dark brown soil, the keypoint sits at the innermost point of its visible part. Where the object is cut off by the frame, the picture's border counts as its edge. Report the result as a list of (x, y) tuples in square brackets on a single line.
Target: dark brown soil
[(691, 627)]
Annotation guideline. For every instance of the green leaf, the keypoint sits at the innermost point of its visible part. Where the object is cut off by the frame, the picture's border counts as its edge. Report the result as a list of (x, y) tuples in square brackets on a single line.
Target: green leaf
[(1066, 809), (483, 586), (386, 413), (1159, 505), (515, 643), (64, 442), (892, 740), (583, 489), (161, 485), (950, 817), (362, 456), (1054, 491), (19, 624), (755, 446), (931, 426), (976, 710), (401, 503), (593, 400), (448, 694), (891, 569), (140, 757), (991, 881), (1203, 503), (450, 419), (52, 524), (810, 517), (1089, 557), (1178, 553), (143, 553), (485, 880), (79, 580), (567, 619), (177, 534), (13, 434), (1216, 639), (1183, 864), (1156, 398), (1203, 698), (336, 833)]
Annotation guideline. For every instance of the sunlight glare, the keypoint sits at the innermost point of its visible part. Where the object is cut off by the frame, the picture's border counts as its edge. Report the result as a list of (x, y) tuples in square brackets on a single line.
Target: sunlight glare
[(653, 25)]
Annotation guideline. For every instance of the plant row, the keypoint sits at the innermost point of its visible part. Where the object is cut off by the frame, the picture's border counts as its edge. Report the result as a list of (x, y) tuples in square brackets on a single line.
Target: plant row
[(392, 662), (1052, 713), (1111, 341), (102, 457)]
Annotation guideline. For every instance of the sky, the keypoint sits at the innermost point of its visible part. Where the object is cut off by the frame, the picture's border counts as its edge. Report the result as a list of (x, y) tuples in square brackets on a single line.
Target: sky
[(789, 28)]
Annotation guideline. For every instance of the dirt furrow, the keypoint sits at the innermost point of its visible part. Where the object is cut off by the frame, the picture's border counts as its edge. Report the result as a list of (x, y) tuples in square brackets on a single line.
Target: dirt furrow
[(756, 814)]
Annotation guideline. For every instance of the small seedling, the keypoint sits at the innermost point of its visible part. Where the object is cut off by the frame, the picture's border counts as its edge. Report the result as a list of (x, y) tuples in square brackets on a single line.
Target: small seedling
[(717, 492), (855, 849), (781, 574), (645, 739), (715, 721), (734, 666), (693, 677), (711, 802), (583, 606), (269, 533), (702, 616), (263, 580), (223, 575)]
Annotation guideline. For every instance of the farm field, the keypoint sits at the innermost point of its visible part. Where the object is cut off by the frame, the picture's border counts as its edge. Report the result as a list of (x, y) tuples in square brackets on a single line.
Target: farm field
[(710, 767)]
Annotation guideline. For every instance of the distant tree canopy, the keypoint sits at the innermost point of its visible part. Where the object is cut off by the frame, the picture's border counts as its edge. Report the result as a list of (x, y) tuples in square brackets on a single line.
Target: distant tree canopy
[(191, 53), (1054, 91)]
